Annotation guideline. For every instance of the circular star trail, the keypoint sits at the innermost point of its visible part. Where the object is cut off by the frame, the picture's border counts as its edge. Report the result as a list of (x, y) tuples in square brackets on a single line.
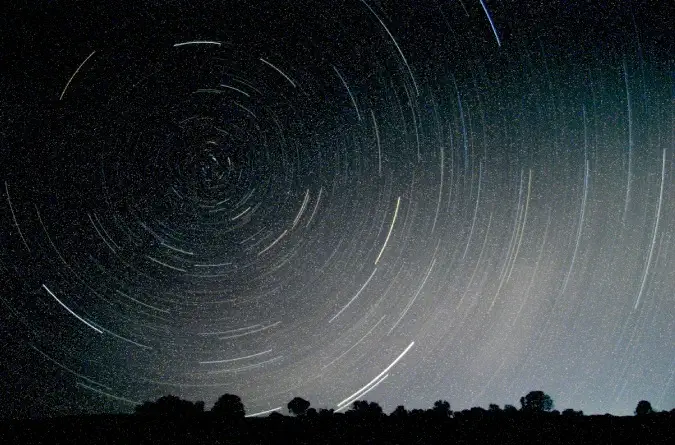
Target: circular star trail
[(402, 202)]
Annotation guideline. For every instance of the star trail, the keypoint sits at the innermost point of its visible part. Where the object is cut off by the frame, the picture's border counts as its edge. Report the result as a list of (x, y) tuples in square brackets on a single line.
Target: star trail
[(397, 201)]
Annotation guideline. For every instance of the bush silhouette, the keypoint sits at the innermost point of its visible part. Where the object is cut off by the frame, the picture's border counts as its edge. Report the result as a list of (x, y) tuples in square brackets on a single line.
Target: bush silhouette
[(643, 408), (510, 409), (363, 409), (326, 413), (170, 406), (441, 409), (536, 402), (399, 413), (229, 406), (298, 406)]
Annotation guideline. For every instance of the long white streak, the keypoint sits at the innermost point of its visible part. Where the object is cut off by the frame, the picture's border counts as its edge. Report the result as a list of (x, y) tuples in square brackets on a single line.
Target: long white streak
[(351, 96), (361, 394), (355, 344), (397, 47), (512, 243), (475, 269), (241, 214), (260, 413), (128, 340), (247, 367), (440, 189), (166, 265), (245, 328), (176, 249), (355, 296), (264, 328), (302, 209), (105, 232), (465, 137), (112, 396), (150, 231), (280, 72), (67, 369), (656, 229), (379, 147), (197, 42), (414, 116), (74, 74), (316, 206), (210, 362), (11, 209), (536, 270), (377, 377), (629, 178), (391, 227), (235, 89), (514, 233), (149, 306), (71, 312), (522, 228), (219, 209), (475, 210), (579, 229), (489, 17), (412, 300), (273, 243), (212, 265), (245, 198), (248, 110)]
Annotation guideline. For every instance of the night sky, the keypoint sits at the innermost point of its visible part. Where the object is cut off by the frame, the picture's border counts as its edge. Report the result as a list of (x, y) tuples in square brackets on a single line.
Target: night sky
[(400, 201)]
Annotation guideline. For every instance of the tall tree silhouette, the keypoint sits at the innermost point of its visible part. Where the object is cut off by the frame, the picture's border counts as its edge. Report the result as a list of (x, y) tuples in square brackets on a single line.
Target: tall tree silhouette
[(441, 409), (643, 408), (298, 406), (229, 406), (536, 402)]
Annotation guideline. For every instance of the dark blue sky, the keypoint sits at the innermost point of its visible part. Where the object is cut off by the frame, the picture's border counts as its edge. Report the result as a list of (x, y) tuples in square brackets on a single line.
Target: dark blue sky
[(402, 202)]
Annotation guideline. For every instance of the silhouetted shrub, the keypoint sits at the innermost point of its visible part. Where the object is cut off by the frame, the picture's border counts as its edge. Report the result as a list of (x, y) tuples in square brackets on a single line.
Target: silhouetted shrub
[(536, 402), (170, 406), (643, 408), (441, 409), (365, 410), (399, 413), (298, 406), (229, 406), (510, 410)]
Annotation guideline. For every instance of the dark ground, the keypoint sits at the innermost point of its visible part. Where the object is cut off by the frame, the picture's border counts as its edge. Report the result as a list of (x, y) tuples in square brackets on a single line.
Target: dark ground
[(481, 428)]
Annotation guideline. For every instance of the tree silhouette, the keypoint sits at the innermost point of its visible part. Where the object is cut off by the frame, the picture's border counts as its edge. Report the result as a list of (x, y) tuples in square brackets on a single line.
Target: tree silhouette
[(326, 413), (510, 409), (361, 408), (298, 406), (536, 402), (569, 412), (441, 409), (643, 408), (229, 406), (399, 413), (170, 406)]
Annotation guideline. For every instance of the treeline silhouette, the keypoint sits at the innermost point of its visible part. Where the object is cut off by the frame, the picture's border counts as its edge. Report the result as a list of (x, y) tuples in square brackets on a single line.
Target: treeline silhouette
[(171, 420)]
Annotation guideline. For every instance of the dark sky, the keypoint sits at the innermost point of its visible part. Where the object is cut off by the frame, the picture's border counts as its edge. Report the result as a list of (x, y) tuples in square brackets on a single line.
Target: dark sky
[(401, 201)]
